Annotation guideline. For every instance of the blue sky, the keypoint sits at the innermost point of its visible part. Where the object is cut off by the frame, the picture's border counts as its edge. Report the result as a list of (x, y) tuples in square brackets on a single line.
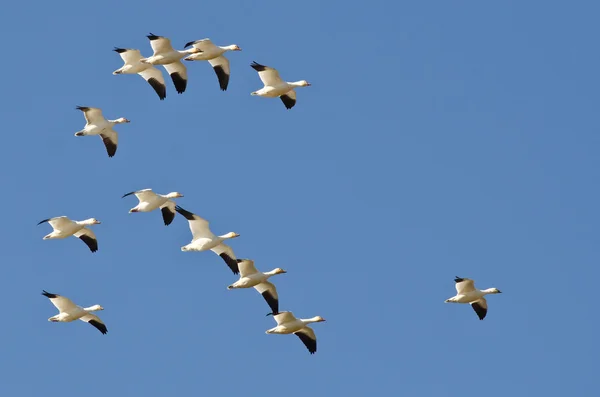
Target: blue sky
[(438, 139)]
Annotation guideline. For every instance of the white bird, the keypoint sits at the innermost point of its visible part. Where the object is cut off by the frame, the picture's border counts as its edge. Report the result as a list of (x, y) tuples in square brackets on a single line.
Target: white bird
[(275, 86), (250, 277), (165, 55), (96, 124), (132, 65), (68, 311), (149, 201), (203, 239), (214, 55), (64, 227), (288, 324), (467, 293)]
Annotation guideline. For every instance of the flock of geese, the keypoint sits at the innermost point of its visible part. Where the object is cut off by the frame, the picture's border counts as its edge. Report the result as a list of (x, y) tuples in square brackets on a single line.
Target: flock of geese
[(203, 239)]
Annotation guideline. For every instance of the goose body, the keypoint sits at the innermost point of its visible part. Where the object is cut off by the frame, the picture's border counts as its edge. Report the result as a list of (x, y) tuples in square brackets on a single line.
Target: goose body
[(275, 87), (214, 55), (467, 293), (64, 227), (164, 54), (96, 124), (204, 239), (149, 201), (132, 65), (69, 311), (288, 324), (250, 277)]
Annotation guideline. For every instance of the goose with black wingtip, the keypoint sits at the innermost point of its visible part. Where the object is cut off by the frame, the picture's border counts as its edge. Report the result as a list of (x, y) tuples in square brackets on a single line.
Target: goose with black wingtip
[(251, 277), (64, 227), (132, 65), (96, 124), (164, 54), (69, 311), (275, 87), (288, 324), (149, 201), (467, 293), (204, 239), (214, 55)]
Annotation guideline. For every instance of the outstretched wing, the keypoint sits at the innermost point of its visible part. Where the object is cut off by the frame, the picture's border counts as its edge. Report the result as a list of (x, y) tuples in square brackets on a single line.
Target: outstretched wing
[(246, 267), (95, 321), (203, 44), (480, 307), (289, 99), (178, 73), (464, 285), (268, 75), (110, 138), (198, 225), (221, 67), (168, 212), (225, 252), (129, 55), (155, 78), (308, 337), (62, 303), (59, 222), (92, 115), (269, 293), (89, 238), (284, 317), (159, 44)]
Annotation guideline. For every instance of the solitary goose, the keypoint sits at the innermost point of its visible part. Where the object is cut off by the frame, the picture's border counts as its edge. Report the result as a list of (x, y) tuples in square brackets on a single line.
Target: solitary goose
[(68, 311), (64, 227), (250, 277), (132, 65), (203, 239), (275, 86), (165, 55), (149, 201), (466, 293), (96, 124), (288, 324), (214, 55)]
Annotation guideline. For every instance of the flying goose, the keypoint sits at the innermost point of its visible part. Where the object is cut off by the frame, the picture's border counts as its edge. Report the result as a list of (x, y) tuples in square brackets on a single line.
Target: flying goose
[(149, 201), (250, 277), (165, 55), (466, 293), (275, 86), (96, 124), (68, 311), (288, 324), (64, 227), (203, 239), (214, 55), (132, 65)]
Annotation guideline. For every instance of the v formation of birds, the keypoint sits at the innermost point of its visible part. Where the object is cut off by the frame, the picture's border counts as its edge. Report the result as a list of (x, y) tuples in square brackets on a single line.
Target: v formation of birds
[(203, 239)]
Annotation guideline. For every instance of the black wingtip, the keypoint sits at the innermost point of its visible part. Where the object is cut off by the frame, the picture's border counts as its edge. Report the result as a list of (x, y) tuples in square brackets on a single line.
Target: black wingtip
[(160, 89), (82, 108), (120, 50), (152, 36), (188, 44), (257, 66), (288, 102), (185, 213), (127, 194), (45, 220), (48, 294), (231, 263), (271, 314), (179, 82), (99, 326), (222, 77), (168, 215), (458, 279)]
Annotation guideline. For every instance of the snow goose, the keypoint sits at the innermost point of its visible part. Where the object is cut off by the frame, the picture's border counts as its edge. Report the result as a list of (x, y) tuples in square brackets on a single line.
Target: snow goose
[(203, 239), (132, 65), (467, 293), (149, 201), (68, 311), (214, 55), (275, 86), (288, 324), (96, 124), (250, 277), (64, 227), (165, 55)]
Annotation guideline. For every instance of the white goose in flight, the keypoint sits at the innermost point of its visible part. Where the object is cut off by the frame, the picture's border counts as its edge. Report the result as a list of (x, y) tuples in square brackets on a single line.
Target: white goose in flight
[(96, 124), (64, 227), (466, 293), (250, 277), (164, 54), (203, 239), (288, 324), (68, 311), (275, 86), (132, 65), (214, 55), (149, 201)]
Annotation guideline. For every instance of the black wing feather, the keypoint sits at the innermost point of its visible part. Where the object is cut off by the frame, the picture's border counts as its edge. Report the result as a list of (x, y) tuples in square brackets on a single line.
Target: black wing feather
[(310, 344), (271, 301), (101, 327), (152, 36), (120, 50), (459, 279), (49, 295), (186, 214), (232, 263), (179, 82), (159, 88), (288, 101), (45, 220), (167, 215), (90, 242), (222, 76), (480, 310), (258, 67), (111, 148)]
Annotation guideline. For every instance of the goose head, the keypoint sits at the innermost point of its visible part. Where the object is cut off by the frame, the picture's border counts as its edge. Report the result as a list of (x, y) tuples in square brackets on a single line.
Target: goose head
[(122, 120), (95, 308), (318, 319), (174, 195), (92, 221), (231, 235), (304, 83), (234, 47), (279, 271)]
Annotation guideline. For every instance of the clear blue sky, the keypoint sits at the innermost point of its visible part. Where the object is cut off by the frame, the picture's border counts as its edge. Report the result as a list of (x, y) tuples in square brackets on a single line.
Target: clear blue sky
[(438, 139)]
